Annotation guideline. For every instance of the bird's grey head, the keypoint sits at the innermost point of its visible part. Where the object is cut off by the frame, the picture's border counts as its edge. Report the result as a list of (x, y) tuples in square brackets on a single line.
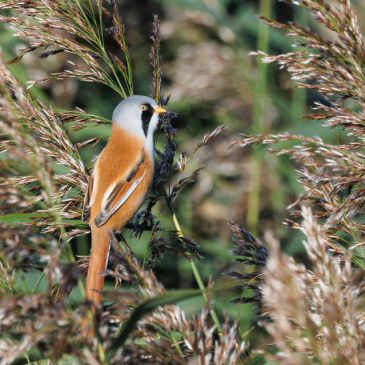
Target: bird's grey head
[(138, 114)]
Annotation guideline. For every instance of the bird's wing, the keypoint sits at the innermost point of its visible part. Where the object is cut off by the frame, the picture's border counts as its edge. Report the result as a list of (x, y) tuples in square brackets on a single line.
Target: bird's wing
[(85, 216), (121, 192)]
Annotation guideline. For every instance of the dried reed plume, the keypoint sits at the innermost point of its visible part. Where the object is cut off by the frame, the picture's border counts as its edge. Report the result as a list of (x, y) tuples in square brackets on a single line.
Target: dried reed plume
[(331, 174), (316, 316), (42, 184), (195, 340), (77, 29)]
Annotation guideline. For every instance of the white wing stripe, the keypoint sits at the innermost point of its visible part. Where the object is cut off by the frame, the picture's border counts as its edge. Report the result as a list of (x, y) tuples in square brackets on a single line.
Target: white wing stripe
[(103, 217), (126, 195)]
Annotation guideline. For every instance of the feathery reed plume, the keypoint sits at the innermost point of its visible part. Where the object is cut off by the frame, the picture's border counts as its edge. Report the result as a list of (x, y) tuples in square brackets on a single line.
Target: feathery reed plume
[(6, 276), (33, 136), (77, 29), (254, 255), (166, 168), (196, 340), (50, 28), (330, 174), (51, 332), (155, 59), (209, 136), (44, 175), (316, 316)]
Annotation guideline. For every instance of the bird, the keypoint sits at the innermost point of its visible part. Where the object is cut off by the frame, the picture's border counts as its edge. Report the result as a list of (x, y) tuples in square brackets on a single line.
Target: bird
[(120, 181)]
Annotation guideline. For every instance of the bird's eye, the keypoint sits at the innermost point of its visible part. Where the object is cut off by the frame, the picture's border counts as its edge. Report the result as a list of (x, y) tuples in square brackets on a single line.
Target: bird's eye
[(143, 107)]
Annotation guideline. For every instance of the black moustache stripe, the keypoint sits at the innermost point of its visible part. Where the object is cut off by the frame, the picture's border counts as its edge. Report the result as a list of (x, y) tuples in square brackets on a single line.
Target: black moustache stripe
[(146, 118)]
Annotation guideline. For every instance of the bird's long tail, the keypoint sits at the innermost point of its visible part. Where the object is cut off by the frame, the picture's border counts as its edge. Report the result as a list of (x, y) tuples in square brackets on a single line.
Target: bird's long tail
[(100, 242)]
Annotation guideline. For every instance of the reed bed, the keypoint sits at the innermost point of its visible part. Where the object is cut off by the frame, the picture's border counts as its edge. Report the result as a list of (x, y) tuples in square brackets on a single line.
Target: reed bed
[(308, 312)]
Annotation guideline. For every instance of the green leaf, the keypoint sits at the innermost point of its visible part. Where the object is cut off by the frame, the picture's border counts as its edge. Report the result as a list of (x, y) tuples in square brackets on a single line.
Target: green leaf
[(16, 218), (147, 307), (22, 218)]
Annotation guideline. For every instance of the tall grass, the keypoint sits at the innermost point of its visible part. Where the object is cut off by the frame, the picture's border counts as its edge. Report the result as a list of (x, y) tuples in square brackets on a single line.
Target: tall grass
[(44, 180), (260, 123), (316, 315), (312, 314)]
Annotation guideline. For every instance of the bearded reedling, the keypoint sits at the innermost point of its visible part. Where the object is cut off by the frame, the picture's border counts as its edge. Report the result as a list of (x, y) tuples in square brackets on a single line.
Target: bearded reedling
[(122, 176)]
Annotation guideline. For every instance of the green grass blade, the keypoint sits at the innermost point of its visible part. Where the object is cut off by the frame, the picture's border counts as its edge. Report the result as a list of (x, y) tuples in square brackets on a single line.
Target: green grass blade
[(19, 218), (147, 307), (23, 218)]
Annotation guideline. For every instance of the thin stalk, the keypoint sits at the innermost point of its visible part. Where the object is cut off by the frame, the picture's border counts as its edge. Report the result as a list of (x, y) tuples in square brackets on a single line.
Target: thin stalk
[(129, 65), (45, 180), (36, 285), (253, 207), (299, 100), (194, 269), (27, 358), (101, 353), (176, 343), (96, 39), (71, 257)]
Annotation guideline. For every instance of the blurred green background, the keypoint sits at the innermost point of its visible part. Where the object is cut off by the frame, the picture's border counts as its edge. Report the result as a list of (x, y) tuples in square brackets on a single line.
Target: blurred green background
[(212, 80)]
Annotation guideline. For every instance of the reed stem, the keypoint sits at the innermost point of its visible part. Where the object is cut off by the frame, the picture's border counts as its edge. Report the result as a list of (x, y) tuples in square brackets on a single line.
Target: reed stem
[(253, 206), (195, 270)]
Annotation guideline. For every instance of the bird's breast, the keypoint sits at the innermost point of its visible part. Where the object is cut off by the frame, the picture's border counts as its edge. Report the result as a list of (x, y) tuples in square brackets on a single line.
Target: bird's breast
[(120, 162)]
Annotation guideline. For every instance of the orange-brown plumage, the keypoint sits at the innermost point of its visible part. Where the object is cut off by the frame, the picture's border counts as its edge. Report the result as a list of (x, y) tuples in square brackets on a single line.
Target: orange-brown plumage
[(119, 157), (122, 153), (121, 179)]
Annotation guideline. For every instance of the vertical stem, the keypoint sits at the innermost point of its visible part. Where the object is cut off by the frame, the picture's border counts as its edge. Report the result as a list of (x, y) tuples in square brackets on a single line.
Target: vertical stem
[(176, 343), (261, 85), (101, 353), (70, 256), (299, 96), (253, 206), (194, 269)]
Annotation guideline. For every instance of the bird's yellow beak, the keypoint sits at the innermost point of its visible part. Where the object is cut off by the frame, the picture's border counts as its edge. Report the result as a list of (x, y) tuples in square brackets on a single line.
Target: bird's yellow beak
[(160, 110)]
